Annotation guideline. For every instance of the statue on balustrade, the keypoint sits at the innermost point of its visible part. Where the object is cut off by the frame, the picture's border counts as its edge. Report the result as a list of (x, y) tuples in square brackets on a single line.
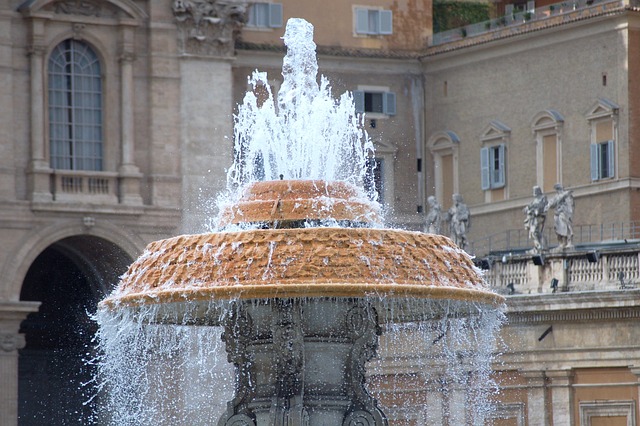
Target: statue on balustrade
[(459, 219), (433, 220), (536, 214), (563, 206)]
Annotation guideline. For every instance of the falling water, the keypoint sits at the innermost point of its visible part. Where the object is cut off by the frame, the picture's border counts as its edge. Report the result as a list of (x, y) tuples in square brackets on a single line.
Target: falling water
[(165, 364)]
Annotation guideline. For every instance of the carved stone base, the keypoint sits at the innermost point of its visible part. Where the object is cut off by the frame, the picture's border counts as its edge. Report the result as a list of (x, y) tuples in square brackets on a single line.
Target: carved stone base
[(301, 363)]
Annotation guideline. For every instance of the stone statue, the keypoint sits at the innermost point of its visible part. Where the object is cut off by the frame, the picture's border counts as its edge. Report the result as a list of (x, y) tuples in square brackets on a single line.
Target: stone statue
[(459, 217), (563, 206), (433, 220), (536, 214)]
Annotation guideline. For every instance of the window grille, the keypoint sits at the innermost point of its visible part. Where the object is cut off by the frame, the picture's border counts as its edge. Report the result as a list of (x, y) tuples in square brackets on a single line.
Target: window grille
[(75, 107)]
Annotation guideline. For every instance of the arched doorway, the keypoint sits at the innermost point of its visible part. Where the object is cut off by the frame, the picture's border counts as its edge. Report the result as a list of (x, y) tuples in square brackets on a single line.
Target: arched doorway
[(69, 277)]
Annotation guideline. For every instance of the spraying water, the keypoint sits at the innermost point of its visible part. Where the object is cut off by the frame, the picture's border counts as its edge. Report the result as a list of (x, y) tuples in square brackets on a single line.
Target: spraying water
[(306, 134), (280, 321)]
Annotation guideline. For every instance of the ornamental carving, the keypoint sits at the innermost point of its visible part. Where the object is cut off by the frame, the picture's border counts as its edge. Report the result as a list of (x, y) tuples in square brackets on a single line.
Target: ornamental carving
[(84, 8), (10, 342), (209, 27)]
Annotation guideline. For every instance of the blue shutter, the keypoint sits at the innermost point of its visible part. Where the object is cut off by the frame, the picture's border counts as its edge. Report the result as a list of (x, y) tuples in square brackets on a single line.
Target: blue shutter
[(499, 174), (358, 100), (275, 15), (389, 103), (386, 22), (362, 21), (484, 168), (595, 169), (611, 158)]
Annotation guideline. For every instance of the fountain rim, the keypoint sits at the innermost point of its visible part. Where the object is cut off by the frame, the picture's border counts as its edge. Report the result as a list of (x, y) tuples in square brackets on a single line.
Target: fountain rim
[(304, 291)]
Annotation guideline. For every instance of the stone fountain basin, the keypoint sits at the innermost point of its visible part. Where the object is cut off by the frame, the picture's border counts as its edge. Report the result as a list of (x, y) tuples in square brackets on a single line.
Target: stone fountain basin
[(191, 278)]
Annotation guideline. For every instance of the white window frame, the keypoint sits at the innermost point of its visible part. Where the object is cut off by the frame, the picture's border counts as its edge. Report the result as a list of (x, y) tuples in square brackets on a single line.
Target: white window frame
[(389, 107), (370, 21), (263, 15), (603, 110), (546, 123)]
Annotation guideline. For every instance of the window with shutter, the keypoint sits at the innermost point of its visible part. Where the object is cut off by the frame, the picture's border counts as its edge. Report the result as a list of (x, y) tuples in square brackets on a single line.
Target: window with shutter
[(602, 160), (374, 102), (492, 167), (373, 21), (265, 15)]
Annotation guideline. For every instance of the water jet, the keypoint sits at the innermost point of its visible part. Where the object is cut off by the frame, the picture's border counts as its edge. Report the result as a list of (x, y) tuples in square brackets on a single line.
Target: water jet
[(299, 278)]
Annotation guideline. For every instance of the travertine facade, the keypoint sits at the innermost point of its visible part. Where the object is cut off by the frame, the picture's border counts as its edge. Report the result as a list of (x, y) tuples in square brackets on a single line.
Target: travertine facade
[(117, 131), (536, 98)]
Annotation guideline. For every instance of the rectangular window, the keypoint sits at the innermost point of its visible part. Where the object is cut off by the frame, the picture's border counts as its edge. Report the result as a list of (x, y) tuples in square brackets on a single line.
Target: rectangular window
[(373, 21), (265, 15), (375, 102), (492, 161), (602, 160)]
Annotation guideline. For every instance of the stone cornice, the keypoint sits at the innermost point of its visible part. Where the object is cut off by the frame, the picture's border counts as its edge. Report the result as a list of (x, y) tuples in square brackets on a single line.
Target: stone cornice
[(576, 306)]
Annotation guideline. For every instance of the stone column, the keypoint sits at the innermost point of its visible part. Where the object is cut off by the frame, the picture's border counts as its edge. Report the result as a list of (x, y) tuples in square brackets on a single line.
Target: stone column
[(561, 396), (536, 398), (206, 45), (11, 315), (39, 170)]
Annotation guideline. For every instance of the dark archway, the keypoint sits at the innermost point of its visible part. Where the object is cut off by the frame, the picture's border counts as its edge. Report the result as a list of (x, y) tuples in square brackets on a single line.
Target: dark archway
[(69, 277)]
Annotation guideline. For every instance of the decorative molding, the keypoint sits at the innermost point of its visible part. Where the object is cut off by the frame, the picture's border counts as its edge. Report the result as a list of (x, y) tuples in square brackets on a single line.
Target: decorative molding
[(510, 411), (603, 408), (10, 342), (209, 27), (79, 7), (573, 315)]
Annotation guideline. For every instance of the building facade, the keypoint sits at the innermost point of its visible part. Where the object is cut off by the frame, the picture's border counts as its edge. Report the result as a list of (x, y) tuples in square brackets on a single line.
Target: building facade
[(546, 94), (117, 129)]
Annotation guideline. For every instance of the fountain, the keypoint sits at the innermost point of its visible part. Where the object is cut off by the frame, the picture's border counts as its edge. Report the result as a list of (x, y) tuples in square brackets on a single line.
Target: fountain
[(297, 283)]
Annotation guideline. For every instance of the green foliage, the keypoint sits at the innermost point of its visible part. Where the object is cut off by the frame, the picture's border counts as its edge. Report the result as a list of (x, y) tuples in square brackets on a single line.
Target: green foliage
[(453, 14)]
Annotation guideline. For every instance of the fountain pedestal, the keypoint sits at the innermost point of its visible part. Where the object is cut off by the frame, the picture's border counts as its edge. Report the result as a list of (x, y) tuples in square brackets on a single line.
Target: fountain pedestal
[(301, 362)]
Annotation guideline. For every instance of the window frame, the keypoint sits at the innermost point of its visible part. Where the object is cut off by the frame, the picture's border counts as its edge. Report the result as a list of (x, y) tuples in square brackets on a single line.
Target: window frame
[(273, 16), (493, 166), (366, 17), (388, 102), (603, 111), (79, 146), (442, 144), (494, 161), (547, 123)]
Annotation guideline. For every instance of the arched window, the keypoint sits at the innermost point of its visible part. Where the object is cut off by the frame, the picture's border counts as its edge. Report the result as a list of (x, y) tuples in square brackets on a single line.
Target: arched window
[(75, 107)]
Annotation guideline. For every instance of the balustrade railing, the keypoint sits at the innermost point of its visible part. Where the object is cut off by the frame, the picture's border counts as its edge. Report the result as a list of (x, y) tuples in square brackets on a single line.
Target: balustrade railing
[(87, 186), (524, 17), (518, 239)]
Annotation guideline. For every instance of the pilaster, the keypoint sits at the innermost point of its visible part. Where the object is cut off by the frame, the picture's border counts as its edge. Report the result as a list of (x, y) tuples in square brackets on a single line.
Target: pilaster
[(11, 315), (561, 396)]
